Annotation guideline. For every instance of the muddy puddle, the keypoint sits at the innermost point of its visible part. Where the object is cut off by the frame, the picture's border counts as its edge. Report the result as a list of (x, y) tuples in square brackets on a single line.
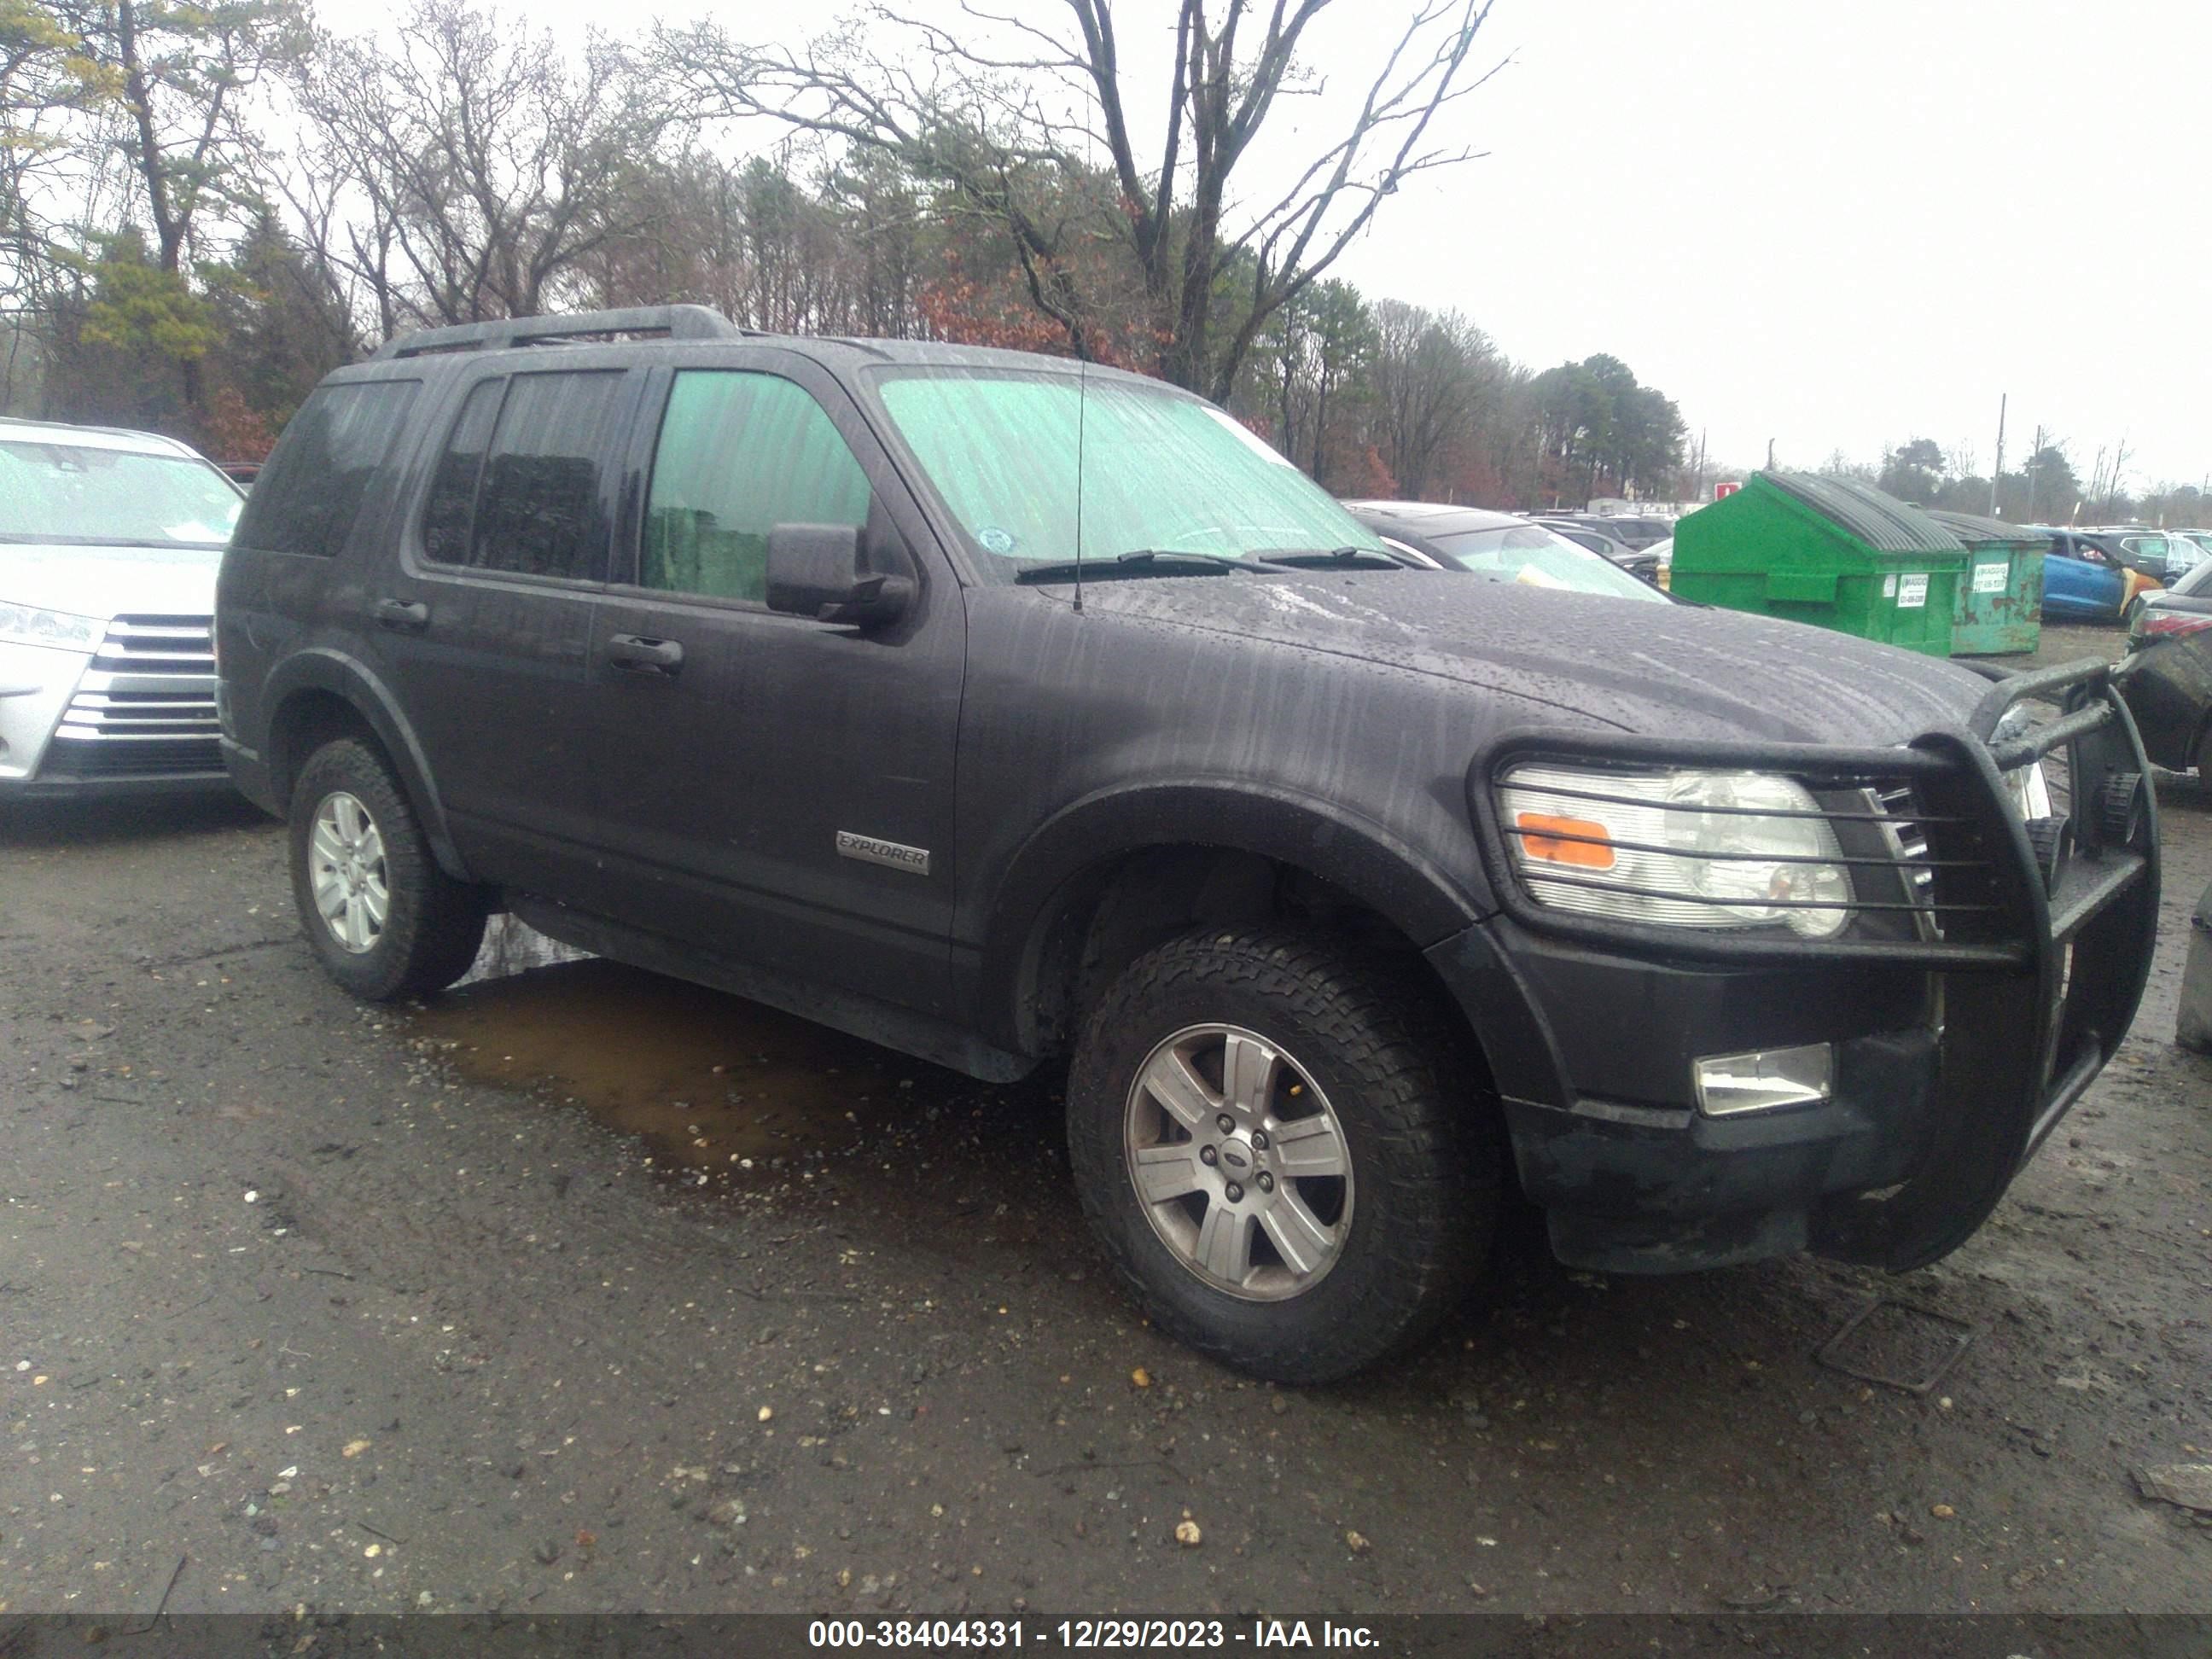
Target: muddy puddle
[(710, 1082)]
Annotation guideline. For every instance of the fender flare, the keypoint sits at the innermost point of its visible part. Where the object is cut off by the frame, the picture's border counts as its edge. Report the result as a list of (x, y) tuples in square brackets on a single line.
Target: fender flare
[(1367, 861), (327, 670)]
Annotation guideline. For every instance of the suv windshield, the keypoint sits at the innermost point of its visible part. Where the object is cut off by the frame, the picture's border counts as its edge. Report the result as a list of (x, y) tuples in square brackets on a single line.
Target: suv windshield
[(1536, 557), (1160, 471), (81, 496)]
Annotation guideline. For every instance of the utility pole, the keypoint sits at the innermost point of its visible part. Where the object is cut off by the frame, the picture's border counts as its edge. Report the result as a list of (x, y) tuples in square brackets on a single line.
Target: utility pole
[(1770, 454), (1997, 472)]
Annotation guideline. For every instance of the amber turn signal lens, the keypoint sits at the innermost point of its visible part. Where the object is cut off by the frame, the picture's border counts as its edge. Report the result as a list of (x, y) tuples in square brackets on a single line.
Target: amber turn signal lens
[(1565, 841)]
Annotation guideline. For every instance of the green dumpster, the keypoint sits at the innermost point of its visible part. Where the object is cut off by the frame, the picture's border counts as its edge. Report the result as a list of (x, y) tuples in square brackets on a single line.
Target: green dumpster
[(2001, 593), (1830, 551)]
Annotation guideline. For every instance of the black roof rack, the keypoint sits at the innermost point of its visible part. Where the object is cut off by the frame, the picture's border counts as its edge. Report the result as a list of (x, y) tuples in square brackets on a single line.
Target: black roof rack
[(676, 322)]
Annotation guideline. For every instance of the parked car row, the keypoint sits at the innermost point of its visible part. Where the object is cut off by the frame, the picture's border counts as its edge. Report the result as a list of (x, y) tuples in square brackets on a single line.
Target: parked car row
[(1005, 712), (1503, 546)]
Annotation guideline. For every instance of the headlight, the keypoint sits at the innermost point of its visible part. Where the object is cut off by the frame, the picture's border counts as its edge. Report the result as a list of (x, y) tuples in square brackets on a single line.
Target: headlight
[(1680, 849), (2029, 789), (19, 624)]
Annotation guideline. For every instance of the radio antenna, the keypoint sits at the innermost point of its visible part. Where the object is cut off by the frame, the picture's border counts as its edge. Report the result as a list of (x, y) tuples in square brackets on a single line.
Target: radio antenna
[(1082, 402)]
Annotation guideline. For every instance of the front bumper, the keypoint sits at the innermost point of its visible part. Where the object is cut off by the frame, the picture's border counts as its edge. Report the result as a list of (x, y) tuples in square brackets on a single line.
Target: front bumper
[(1958, 1045), (134, 716)]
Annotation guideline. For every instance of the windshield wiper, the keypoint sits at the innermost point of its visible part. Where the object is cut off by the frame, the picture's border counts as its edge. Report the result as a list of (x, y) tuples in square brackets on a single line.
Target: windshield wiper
[(1340, 558), (1143, 561)]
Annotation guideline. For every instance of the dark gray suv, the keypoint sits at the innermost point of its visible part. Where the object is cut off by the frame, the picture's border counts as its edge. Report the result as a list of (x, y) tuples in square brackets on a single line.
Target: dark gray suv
[(997, 708)]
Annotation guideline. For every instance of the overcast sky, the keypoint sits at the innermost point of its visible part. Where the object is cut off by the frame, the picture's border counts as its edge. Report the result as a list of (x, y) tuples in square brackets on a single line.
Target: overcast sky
[(1844, 225), (1836, 226)]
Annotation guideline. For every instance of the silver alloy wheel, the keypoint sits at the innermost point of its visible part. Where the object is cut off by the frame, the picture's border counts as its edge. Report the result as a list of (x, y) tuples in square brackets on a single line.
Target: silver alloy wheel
[(346, 871), (1239, 1162)]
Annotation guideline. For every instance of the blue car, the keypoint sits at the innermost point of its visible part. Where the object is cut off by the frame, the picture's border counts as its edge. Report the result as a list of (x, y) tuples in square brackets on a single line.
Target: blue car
[(2081, 580)]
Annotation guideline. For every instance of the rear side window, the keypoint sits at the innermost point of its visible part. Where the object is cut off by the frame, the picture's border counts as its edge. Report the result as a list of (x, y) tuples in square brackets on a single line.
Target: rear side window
[(336, 458), (450, 512), (740, 452), (518, 487)]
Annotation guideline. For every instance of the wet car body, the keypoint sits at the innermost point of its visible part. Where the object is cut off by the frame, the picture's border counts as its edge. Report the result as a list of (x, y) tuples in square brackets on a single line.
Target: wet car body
[(2168, 682), (946, 825)]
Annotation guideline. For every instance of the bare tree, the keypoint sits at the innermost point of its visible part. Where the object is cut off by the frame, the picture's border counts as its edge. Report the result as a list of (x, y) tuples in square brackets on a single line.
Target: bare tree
[(1431, 373), (1009, 133), (53, 99), (480, 166), (180, 74)]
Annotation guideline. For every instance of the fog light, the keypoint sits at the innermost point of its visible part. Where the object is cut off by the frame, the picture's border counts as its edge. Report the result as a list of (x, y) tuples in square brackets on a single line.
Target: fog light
[(1765, 1079)]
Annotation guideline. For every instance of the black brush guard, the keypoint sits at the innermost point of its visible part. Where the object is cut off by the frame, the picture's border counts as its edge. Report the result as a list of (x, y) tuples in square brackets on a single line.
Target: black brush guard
[(2037, 978)]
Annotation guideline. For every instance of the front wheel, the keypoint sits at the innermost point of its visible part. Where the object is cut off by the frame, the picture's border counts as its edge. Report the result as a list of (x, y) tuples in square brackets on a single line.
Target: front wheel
[(1282, 1152), (384, 919)]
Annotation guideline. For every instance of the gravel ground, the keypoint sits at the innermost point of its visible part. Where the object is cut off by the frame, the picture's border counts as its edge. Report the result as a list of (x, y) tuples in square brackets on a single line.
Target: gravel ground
[(585, 1291)]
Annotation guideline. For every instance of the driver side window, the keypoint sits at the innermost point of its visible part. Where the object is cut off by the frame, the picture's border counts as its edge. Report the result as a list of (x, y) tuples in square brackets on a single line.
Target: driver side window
[(739, 452)]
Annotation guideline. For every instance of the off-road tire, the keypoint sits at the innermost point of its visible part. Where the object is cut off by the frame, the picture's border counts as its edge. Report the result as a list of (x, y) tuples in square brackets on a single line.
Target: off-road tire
[(1421, 1128), (433, 925)]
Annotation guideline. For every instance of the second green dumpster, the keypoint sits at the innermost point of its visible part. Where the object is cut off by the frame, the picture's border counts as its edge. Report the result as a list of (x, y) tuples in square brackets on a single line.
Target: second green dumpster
[(2000, 595), (1831, 551)]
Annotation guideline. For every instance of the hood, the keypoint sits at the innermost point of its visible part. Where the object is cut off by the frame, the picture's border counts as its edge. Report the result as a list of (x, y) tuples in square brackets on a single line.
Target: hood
[(105, 582), (1583, 660)]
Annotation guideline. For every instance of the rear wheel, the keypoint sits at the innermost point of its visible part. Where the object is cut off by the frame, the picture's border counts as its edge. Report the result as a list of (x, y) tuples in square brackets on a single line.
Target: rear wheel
[(384, 919), (1280, 1153)]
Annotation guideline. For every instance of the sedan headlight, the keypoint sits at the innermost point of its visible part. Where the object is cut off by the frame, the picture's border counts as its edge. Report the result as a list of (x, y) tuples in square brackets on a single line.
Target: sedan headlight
[(1678, 848), (23, 624)]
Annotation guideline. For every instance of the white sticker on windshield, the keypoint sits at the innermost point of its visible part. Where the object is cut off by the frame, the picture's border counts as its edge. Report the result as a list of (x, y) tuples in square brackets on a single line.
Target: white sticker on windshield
[(1912, 593), (1251, 439), (1989, 579)]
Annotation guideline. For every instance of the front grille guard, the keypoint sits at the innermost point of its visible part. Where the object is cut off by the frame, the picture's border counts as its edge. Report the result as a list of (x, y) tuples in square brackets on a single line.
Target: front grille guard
[(1974, 876), (2041, 977)]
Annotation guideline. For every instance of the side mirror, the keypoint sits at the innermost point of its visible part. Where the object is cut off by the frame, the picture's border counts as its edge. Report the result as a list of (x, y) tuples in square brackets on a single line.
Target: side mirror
[(814, 570)]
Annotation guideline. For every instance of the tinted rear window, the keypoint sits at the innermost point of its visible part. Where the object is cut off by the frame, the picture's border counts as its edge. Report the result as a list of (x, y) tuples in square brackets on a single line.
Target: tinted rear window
[(336, 457), (519, 488)]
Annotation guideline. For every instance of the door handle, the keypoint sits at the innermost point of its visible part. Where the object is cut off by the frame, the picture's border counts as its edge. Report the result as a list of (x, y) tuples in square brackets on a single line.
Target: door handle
[(635, 655), (401, 616)]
